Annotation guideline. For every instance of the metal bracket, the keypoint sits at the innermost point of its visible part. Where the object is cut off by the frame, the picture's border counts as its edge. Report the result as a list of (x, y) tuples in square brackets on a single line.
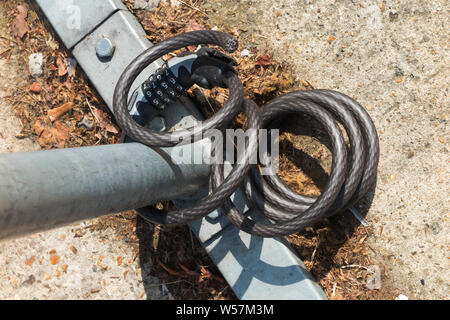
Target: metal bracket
[(129, 38), (74, 20)]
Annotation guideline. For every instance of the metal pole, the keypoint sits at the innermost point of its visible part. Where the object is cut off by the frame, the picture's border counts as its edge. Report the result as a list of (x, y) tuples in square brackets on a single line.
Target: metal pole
[(44, 190)]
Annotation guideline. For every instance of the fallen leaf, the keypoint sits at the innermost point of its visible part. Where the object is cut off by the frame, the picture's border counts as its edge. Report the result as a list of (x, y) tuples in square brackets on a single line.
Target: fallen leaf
[(20, 26), (192, 25), (51, 136), (264, 61), (78, 116)]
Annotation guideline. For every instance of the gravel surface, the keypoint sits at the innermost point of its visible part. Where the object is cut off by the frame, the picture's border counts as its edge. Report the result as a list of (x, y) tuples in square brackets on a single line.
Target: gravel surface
[(392, 56)]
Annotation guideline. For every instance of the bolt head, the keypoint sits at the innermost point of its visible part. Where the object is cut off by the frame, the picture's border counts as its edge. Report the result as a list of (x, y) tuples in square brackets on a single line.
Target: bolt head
[(105, 48)]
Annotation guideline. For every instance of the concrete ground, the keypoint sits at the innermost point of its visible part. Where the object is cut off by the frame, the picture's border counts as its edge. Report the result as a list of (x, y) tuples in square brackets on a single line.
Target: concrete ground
[(392, 56), (70, 262)]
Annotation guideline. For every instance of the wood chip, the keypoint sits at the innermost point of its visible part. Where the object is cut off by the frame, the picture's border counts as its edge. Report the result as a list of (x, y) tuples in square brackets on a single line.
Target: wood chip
[(56, 113)]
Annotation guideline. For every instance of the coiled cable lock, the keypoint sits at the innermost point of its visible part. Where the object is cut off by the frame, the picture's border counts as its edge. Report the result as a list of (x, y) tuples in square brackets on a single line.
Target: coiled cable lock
[(353, 169)]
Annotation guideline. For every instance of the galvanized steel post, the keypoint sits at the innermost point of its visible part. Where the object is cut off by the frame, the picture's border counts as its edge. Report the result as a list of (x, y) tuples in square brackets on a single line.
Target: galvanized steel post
[(46, 189)]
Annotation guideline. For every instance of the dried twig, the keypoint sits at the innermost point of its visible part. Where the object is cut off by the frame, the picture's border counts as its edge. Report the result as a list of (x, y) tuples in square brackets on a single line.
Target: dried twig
[(92, 111), (354, 266), (315, 250)]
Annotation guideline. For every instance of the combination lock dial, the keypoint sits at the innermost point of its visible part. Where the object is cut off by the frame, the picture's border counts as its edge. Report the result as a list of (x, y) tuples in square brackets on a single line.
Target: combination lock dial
[(162, 88), (206, 67)]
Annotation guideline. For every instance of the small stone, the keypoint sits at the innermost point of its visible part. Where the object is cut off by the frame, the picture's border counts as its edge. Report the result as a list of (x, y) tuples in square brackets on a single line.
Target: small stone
[(435, 228), (148, 5), (54, 259), (399, 72), (393, 16), (152, 4), (87, 123), (245, 53), (31, 279), (71, 65), (73, 249), (35, 62), (140, 4), (173, 3)]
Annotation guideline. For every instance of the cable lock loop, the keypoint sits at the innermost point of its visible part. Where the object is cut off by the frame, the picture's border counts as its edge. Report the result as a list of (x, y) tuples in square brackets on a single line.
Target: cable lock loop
[(353, 168)]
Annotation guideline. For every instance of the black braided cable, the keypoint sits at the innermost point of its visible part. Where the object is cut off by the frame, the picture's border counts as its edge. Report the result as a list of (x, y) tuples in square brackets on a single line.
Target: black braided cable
[(353, 168), (290, 211), (165, 139)]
